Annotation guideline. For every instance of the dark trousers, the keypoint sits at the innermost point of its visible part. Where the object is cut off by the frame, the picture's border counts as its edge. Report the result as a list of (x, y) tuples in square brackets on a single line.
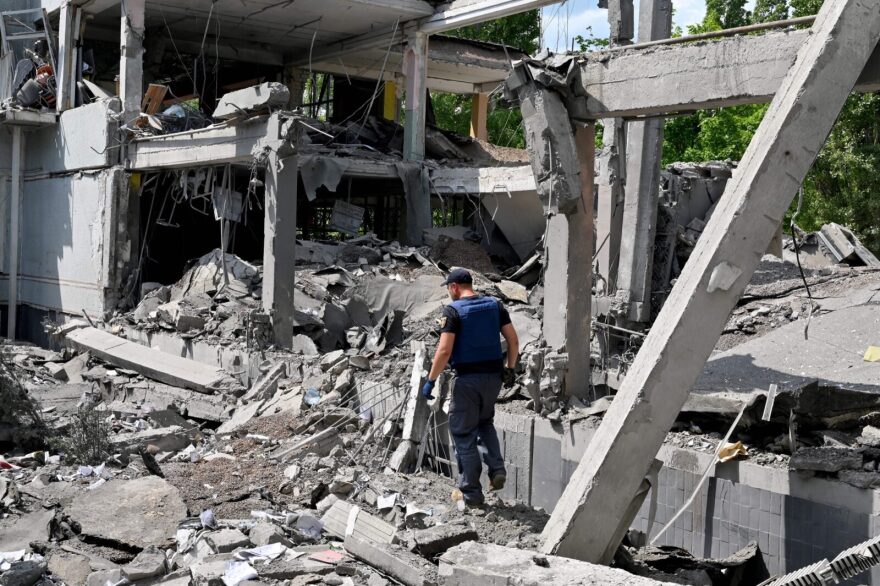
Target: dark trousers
[(471, 412)]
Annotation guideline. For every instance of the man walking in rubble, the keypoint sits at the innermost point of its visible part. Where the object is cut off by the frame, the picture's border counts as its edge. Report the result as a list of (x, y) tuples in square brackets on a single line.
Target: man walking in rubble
[(470, 343)]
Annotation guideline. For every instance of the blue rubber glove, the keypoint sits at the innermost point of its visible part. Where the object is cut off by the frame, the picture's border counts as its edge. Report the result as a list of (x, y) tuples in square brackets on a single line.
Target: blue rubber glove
[(427, 388)]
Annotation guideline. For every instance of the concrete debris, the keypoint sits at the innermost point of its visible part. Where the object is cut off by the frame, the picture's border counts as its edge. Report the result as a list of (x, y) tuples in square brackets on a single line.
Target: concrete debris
[(252, 100), (472, 564), (145, 512)]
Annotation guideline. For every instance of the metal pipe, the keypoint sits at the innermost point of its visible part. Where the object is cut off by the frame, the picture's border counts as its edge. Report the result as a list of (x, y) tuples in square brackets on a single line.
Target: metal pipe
[(731, 32), (17, 170)]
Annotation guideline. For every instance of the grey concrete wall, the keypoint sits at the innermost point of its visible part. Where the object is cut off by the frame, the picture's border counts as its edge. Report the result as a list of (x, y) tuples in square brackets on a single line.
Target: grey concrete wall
[(64, 262), (791, 531), (796, 520)]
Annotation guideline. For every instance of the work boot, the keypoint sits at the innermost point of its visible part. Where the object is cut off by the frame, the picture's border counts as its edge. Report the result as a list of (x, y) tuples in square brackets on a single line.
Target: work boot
[(498, 481)]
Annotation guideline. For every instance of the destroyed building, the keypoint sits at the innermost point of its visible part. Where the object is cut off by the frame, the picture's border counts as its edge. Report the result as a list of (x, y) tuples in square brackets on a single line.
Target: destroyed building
[(224, 229)]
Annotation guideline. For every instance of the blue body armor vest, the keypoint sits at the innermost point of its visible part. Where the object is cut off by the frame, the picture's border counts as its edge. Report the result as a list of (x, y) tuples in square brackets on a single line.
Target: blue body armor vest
[(479, 338)]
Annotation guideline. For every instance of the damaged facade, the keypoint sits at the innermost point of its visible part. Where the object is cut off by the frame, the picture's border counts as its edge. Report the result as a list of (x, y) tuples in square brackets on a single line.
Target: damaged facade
[(240, 274)]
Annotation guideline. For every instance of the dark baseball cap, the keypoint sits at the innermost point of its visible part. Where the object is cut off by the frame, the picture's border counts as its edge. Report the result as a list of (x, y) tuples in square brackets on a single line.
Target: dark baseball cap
[(460, 276)]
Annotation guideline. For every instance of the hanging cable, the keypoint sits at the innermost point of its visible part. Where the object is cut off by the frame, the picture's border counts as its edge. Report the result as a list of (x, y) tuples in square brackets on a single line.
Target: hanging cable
[(797, 255)]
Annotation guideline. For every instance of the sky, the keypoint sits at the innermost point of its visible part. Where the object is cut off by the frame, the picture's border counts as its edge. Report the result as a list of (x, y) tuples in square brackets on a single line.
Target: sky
[(577, 15)]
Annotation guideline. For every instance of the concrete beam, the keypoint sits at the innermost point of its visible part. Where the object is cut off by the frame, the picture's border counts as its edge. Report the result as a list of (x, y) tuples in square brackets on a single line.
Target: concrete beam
[(459, 13), (569, 249), (746, 69), (415, 69), (479, 115), (279, 239), (67, 37), (551, 142), (18, 142), (674, 353), (131, 60)]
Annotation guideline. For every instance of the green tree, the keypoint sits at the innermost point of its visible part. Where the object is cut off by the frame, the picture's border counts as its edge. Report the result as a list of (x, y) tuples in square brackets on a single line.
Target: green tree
[(770, 10), (504, 122)]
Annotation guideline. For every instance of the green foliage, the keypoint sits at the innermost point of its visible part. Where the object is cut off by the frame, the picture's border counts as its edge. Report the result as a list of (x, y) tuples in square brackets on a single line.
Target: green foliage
[(711, 134), (87, 438), (843, 184), (804, 7), (504, 123), (770, 10), (520, 31)]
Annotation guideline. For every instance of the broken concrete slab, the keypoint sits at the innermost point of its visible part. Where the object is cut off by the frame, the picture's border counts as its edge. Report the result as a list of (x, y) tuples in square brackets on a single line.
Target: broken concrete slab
[(71, 568), (477, 564), (439, 538), (166, 368), (33, 527), (511, 291), (227, 540), (24, 573), (395, 561), (266, 533), (168, 439), (209, 571), (320, 443), (147, 564), (147, 396), (258, 98), (75, 367), (146, 512), (344, 518), (826, 459)]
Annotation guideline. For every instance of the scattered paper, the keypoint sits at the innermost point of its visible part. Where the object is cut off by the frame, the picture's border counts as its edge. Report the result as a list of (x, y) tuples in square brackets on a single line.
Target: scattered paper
[(731, 452), (237, 572), (387, 501), (264, 552), (872, 354), (328, 557)]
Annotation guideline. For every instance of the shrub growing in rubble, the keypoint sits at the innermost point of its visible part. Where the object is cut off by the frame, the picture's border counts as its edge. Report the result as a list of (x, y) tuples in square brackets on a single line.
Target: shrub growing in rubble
[(19, 413), (87, 438)]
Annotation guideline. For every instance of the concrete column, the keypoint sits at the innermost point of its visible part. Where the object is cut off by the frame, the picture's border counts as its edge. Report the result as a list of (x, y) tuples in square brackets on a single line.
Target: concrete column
[(479, 116), (279, 238), (644, 152), (131, 60), (621, 21), (295, 80), (415, 68), (594, 504), (66, 62), (569, 276), (18, 142), (610, 179)]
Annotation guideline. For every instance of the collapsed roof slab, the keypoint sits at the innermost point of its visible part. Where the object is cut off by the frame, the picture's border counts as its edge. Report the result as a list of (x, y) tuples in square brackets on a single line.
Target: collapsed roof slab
[(662, 79), (674, 353), (454, 65)]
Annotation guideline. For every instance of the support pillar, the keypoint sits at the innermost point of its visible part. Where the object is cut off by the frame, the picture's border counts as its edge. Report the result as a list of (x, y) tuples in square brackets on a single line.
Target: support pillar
[(67, 57), (644, 152), (621, 17), (131, 60), (415, 68), (479, 116), (295, 80), (279, 239), (610, 179), (594, 504), (18, 142)]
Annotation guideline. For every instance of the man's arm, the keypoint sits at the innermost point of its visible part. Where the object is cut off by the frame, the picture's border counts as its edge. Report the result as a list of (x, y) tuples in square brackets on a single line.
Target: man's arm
[(441, 356), (512, 340)]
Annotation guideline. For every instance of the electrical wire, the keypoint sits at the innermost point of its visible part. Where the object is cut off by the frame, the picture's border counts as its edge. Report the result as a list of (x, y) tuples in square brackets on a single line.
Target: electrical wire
[(797, 254)]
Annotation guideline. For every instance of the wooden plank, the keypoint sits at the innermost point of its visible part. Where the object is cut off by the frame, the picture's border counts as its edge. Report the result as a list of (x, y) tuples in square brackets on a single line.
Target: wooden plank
[(153, 98), (153, 364)]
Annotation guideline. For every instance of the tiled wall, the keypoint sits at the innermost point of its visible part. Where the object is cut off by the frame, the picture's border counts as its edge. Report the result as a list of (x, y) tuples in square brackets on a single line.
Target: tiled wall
[(795, 520)]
